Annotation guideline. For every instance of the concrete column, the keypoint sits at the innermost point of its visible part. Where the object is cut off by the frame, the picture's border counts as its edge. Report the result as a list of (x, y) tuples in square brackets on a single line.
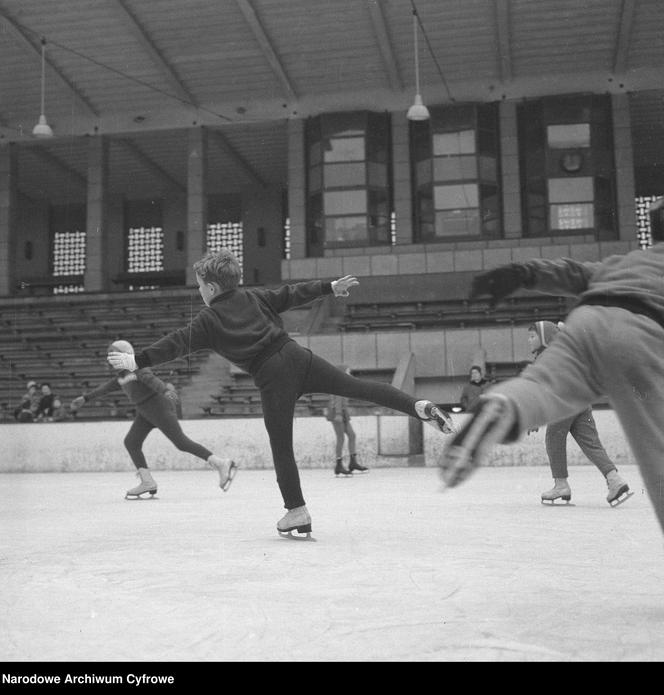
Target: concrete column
[(297, 188), (97, 243), (510, 174), (401, 178), (196, 199), (624, 161), (8, 203)]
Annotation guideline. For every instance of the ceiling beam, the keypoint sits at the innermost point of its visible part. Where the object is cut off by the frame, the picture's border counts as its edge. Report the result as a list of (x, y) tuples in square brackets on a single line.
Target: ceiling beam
[(384, 44), (35, 49), (134, 27), (222, 141), (266, 46), (146, 161), (623, 36), (503, 39), (54, 161)]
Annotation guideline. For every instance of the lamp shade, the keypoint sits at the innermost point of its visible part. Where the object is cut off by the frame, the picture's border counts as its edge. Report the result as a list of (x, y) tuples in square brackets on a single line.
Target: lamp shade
[(418, 111), (42, 129)]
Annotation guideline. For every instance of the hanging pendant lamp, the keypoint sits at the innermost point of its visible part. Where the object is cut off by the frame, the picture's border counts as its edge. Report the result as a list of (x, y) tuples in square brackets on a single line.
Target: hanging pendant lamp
[(418, 111), (43, 129)]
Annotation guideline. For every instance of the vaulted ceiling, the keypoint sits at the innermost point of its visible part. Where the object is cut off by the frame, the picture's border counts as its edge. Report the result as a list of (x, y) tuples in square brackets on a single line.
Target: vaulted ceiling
[(144, 71)]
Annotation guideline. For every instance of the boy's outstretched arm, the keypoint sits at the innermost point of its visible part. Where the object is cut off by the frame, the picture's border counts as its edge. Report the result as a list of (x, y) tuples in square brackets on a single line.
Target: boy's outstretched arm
[(341, 286)]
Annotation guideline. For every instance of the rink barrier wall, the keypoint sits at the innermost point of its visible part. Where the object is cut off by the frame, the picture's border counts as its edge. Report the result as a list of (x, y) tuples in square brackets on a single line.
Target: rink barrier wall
[(98, 446)]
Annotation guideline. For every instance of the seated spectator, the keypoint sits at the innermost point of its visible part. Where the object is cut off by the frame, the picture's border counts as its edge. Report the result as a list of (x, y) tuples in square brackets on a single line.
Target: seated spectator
[(59, 411), (45, 407), (27, 409)]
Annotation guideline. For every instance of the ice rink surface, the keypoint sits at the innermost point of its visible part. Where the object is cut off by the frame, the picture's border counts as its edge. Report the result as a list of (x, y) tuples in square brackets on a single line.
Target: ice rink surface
[(400, 572)]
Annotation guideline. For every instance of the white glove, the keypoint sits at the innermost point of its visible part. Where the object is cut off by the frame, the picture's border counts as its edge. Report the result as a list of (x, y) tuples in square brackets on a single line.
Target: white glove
[(122, 360), (341, 286)]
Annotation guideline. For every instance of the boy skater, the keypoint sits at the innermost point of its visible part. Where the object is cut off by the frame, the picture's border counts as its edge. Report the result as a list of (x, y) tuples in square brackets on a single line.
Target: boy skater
[(244, 326), (155, 404), (582, 427), (611, 345)]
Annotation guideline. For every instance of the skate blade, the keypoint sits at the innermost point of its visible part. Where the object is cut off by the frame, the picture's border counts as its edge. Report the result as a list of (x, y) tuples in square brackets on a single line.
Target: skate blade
[(290, 536), (555, 503), (625, 496), (232, 472), (151, 496)]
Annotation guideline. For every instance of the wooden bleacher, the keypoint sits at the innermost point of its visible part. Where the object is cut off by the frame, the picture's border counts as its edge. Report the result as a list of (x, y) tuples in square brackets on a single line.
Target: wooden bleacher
[(440, 301), (63, 340)]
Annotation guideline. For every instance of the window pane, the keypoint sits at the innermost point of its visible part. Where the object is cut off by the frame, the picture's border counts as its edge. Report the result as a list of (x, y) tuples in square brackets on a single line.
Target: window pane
[(458, 223), (345, 229), (454, 168), (576, 216), (315, 154), (453, 197), (345, 202), (565, 136), (571, 190), (461, 142), (344, 149), (345, 175)]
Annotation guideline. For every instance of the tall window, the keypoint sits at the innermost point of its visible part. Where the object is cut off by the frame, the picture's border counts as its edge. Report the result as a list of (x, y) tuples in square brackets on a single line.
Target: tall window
[(68, 241), (456, 173), (566, 162), (224, 228), (144, 239), (349, 192)]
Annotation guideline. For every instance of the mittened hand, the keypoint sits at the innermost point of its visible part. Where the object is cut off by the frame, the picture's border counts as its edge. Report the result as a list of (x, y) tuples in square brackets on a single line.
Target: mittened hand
[(172, 395), (122, 360), (499, 282)]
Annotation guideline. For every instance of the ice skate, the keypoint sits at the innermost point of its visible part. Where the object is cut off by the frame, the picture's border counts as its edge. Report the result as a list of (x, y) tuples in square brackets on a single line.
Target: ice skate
[(560, 491), (299, 520), (490, 425), (145, 487), (226, 469), (618, 489), (355, 467), (339, 470), (435, 416)]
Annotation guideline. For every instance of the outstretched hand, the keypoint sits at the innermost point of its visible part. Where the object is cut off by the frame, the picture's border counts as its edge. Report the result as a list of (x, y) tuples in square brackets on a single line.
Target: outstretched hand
[(499, 282), (341, 286), (122, 360), (77, 403)]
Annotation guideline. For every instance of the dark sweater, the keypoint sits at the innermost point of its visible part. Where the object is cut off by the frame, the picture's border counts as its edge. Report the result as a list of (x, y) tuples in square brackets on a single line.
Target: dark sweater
[(242, 325), (138, 386)]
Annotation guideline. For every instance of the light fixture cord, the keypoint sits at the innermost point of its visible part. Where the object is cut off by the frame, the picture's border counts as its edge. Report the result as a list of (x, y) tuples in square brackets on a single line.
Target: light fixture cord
[(417, 59), (43, 66)]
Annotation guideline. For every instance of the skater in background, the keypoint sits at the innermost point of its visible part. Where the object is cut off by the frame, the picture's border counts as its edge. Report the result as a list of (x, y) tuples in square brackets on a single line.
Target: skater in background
[(611, 346), (45, 407), (338, 414), (155, 408), (581, 426), (472, 390), (244, 326)]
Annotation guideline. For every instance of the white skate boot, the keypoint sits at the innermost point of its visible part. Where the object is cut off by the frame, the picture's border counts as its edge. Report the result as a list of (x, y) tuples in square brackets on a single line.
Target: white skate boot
[(226, 469), (297, 519), (435, 416), (560, 491), (618, 489), (146, 486)]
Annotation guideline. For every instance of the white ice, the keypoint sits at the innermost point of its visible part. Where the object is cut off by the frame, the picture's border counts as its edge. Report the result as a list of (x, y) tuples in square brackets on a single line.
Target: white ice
[(401, 571)]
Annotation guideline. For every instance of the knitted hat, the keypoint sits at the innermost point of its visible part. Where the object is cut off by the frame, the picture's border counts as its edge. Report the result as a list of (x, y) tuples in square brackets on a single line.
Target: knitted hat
[(546, 331), (121, 346)]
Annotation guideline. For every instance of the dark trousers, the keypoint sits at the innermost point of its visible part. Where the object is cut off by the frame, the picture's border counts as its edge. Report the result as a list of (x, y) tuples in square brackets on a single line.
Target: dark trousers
[(582, 427), (160, 413), (292, 372)]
